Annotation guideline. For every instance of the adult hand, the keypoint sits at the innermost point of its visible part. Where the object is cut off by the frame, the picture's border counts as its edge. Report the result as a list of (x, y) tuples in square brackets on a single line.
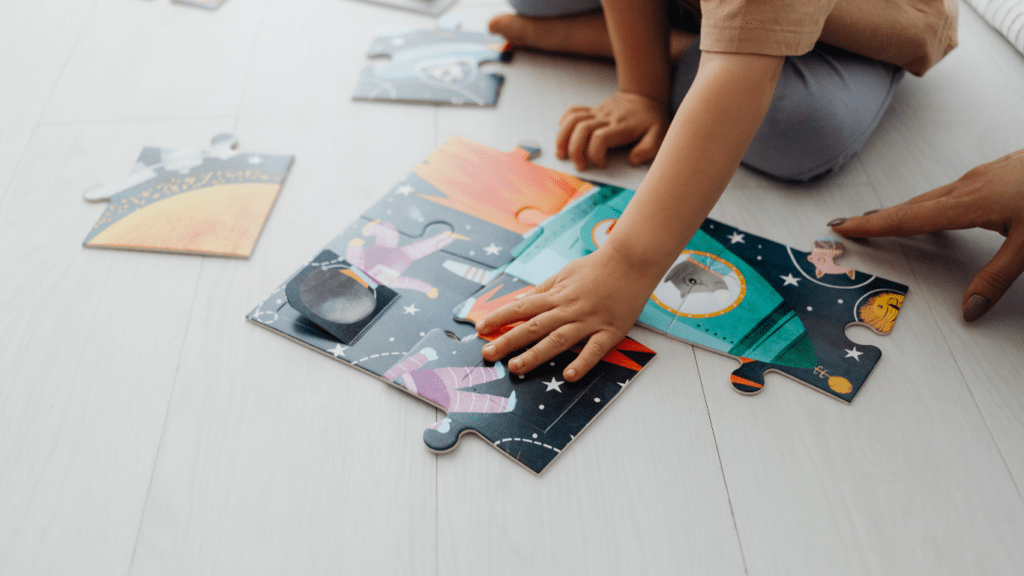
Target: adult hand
[(598, 296), (585, 134), (990, 196)]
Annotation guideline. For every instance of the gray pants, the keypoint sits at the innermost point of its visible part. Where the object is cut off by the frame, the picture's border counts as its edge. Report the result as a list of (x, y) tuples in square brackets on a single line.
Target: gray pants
[(826, 104)]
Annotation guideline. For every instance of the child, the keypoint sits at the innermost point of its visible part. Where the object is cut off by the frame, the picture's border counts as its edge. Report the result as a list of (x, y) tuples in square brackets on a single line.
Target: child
[(755, 87)]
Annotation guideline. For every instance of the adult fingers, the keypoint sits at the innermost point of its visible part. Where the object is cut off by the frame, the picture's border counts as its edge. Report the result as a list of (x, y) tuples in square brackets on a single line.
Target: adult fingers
[(547, 348), (598, 345), (597, 148), (935, 194), (647, 147), (908, 220), (995, 278), (579, 140), (566, 125)]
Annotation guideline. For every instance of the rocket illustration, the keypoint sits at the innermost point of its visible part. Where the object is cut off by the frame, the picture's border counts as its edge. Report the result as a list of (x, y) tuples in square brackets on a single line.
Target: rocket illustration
[(690, 276)]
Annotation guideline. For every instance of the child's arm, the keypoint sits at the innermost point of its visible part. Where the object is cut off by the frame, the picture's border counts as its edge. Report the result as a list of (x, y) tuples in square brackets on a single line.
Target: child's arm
[(638, 31), (601, 295)]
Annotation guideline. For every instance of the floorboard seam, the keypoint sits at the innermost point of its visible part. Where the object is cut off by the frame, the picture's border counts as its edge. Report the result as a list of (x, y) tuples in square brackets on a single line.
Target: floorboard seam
[(167, 414), (909, 265), (248, 65), (718, 452), (53, 90)]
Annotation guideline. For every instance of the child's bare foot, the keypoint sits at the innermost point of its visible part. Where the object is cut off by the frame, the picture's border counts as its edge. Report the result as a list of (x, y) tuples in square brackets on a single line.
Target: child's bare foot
[(583, 34)]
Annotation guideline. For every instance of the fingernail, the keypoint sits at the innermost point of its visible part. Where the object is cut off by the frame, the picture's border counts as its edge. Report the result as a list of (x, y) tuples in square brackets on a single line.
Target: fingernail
[(869, 212), (836, 222), (570, 373), (515, 364), (976, 306), (488, 349)]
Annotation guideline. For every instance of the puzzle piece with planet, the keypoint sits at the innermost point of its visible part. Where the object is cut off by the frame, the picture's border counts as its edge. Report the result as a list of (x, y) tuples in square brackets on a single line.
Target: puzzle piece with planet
[(212, 203)]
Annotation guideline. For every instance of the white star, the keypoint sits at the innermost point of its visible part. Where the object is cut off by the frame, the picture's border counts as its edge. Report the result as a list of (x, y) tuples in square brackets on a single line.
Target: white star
[(411, 309), (623, 384), (338, 350), (404, 189), (789, 279), (736, 237), (255, 160), (553, 385), (492, 250), (855, 354)]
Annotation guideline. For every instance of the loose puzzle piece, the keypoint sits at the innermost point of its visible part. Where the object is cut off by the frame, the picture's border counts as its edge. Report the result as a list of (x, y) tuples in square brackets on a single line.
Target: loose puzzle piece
[(212, 202), (436, 66), (211, 4), (489, 197), (531, 418)]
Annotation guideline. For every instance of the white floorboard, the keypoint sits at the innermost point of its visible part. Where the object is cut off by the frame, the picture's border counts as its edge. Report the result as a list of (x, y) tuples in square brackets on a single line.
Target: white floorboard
[(147, 429)]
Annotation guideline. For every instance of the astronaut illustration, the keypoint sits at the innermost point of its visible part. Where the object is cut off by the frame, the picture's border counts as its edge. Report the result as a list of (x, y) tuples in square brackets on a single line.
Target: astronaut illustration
[(444, 386), (385, 261)]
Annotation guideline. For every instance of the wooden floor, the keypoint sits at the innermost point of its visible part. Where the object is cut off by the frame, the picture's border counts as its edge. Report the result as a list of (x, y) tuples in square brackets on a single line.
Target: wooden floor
[(146, 428)]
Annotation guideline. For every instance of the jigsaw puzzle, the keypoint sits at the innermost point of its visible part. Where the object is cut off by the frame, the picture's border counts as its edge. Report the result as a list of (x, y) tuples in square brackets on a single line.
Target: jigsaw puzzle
[(397, 293), (211, 4), (435, 66), (772, 307), (212, 202)]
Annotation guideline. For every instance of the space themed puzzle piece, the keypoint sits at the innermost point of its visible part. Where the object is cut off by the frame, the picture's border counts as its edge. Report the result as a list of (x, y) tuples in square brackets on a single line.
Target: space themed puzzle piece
[(489, 197), (433, 66), (531, 418), (208, 202), (770, 306)]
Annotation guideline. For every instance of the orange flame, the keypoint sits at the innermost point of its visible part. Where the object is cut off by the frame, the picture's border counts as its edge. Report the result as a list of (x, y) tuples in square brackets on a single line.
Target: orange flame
[(503, 188)]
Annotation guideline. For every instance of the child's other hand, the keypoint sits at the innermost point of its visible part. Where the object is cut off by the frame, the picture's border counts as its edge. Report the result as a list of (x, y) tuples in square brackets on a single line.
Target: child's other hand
[(990, 196), (585, 134), (598, 296)]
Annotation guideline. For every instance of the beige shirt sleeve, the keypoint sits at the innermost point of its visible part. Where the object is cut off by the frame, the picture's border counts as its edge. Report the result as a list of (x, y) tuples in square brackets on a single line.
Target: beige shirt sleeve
[(772, 27)]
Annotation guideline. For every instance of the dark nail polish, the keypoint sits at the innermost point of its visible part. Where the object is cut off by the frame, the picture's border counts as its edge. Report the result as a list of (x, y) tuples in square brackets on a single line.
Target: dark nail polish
[(976, 306), (836, 222), (870, 212)]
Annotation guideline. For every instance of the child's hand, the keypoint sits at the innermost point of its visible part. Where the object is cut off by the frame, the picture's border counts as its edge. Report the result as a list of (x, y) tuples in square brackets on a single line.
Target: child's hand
[(585, 134), (598, 296), (990, 196)]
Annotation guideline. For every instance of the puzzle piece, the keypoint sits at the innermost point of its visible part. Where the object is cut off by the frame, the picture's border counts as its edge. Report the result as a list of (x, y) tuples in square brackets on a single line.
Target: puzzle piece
[(211, 4), (490, 197), (739, 294), (436, 66), (212, 202), (428, 285), (531, 418)]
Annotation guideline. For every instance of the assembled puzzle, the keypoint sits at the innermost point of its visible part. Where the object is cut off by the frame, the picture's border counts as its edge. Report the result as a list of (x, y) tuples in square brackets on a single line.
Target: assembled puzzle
[(433, 66), (397, 293), (212, 202)]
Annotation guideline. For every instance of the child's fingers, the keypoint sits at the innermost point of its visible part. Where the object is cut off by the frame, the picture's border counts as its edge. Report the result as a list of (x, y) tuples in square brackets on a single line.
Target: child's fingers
[(598, 345), (523, 335), (579, 140), (548, 347), (516, 311), (597, 148), (647, 147), (565, 129)]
